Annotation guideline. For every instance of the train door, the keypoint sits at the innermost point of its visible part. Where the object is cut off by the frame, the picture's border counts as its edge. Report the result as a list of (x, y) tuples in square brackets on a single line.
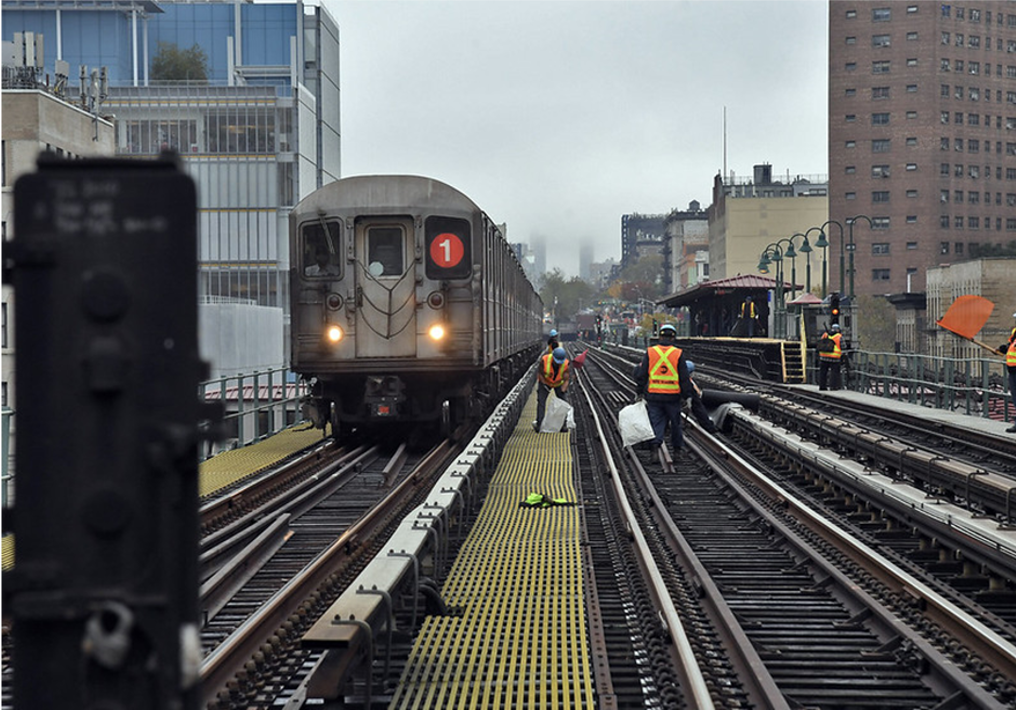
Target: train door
[(385, 288)]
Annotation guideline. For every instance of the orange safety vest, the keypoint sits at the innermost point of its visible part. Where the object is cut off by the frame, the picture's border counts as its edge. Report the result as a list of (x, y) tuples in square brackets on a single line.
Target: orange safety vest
[(837, 351), (663, 376), (548, 377), (1010, 354)]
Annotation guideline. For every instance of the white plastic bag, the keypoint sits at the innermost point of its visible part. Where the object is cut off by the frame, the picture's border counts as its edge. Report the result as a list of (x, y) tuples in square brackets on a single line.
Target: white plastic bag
[(556, 415), (633, 421)]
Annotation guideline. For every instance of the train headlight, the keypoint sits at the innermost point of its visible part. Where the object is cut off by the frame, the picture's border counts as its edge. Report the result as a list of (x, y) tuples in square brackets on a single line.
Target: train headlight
[(333, 334), (436, 332)]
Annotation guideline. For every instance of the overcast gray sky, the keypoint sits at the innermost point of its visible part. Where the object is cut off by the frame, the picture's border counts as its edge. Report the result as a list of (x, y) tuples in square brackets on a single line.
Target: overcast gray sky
[(558, 117)]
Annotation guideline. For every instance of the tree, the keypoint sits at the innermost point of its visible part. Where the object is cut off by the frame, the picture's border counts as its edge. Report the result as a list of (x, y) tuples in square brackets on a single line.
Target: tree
[(571, 295), (174, 64)]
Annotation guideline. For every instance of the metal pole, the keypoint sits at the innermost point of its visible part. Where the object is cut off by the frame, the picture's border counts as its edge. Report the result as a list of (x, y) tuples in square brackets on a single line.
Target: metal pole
[(851, 250), (807, 274)]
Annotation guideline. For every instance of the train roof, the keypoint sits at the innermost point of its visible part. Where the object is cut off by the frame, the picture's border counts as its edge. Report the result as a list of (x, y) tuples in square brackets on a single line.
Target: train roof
[(379, 191)]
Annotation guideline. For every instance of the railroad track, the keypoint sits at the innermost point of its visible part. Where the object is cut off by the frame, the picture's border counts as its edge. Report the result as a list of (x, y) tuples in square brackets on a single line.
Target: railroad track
[(699, 509)]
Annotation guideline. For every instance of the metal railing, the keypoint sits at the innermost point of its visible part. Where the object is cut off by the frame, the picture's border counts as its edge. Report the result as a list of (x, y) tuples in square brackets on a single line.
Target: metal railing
[(256, 405), (974, 386)]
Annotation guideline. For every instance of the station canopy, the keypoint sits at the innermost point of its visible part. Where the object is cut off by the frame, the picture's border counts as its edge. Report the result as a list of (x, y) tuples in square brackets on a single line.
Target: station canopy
[(734, 287)]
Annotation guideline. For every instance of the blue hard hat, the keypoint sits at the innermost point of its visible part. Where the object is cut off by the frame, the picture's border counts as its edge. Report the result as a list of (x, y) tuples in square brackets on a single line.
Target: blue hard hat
[(553, 333), (691, 366), (559, 355)]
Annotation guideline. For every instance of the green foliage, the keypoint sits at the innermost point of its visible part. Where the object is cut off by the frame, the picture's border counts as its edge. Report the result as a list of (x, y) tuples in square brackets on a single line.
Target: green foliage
[(875, 324), (174, 64), (571, 295)]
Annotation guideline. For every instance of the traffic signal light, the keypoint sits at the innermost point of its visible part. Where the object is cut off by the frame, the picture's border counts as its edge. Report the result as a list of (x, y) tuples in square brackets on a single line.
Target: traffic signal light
[(834, 308)]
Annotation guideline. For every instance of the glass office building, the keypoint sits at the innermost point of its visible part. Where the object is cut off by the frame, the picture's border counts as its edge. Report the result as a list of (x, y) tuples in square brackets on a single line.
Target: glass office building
[(257, 122)]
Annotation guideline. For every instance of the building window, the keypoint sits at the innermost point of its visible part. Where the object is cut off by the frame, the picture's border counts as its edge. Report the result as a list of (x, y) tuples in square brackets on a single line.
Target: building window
[(974, 94), (881, 14), (943, 169), (851, 66), (958, 196), (944, 117), (958, 170), (880, 119), (958, 118), (879, 92), (974, 119), (943, 221), (944, 90), (911, 167), (911, 141), (849, 92), (974, 171), (973, 222), (943, 248), (880, 223), (850, 196), (958, 247), (959, 39), (880, 40), (974, 198), (974, 41), (974, 145), (851, 144), (911, 193), (975, 15), (880, 145), (880, 171), (911, 246), (911, 61), (974, 68), (911, 88), (851, 40), (943, 196), (880, 196), (946, 38), (957, 222), (881, 67), (851, 14), (946, 10), (911, 219), (911, 115), (958, 145), (880, 248), (850, 169), (911, 36), (880, 275), (850, 118)]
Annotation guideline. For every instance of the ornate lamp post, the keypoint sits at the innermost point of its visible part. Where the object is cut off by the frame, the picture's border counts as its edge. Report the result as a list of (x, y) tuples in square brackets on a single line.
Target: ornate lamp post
[(851, 247), (773, 253), (822, 243)]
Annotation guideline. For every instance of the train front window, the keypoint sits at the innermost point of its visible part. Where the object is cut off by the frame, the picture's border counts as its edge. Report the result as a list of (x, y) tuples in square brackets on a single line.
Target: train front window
[(385, 251), (321, 249)]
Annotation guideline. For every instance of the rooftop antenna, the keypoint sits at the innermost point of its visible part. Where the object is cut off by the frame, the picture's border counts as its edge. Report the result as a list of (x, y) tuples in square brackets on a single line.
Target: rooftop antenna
[(724, 140)]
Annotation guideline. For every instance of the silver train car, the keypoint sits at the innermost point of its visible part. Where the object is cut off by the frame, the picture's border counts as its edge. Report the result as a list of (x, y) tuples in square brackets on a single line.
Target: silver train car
[(408, 305)]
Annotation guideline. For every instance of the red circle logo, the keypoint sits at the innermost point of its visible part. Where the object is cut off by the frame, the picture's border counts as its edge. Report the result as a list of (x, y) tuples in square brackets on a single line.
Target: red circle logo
[(446, 250)]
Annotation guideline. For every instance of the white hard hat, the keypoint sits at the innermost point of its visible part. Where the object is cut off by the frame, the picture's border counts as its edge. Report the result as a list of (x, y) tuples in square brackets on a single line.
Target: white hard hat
[(1014, 315)]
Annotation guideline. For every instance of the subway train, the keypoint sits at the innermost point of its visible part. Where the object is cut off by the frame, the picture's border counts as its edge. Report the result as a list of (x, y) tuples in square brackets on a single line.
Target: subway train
[(408, 305)]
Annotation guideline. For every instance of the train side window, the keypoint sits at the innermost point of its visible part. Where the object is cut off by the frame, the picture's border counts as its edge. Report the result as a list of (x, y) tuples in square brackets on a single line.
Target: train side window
[(321, 249), (449, 248), (385, 251)]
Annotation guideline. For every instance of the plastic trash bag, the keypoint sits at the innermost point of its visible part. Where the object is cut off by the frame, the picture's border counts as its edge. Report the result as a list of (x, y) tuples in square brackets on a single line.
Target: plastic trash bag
[(556, 415), (633, 421)]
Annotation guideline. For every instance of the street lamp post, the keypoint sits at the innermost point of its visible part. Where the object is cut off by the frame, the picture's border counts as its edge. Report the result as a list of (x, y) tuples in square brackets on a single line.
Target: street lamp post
[(851, 247), (790, 253), (773, 253), (806, 250), (823, 243)]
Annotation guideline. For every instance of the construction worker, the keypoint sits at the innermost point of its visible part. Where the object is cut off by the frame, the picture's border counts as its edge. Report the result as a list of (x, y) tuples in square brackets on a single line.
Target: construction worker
[(1009, 350), (663, 376), (749, 315), (830, 358), (552, 341), (553, 374)]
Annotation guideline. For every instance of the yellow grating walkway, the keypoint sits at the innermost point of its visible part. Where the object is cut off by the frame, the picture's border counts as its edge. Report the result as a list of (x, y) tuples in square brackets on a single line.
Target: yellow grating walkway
[(520, 641), (231, 466)]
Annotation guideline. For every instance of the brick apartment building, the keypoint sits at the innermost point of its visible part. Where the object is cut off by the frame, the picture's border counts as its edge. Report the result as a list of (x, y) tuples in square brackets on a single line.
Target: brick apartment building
[(922, 137)]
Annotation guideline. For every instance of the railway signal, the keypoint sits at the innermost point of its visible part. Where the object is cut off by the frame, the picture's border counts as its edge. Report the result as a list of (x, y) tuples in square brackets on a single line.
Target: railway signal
[(106, 520)]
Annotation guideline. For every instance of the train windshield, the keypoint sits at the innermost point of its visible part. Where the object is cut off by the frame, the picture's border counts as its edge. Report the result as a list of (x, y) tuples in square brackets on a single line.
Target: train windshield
[(385, 251), (322, 249)]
